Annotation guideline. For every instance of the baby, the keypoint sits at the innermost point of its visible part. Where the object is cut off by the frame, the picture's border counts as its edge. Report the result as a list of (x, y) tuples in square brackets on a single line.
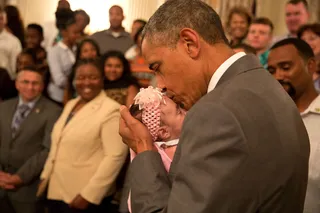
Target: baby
[(163, 118)]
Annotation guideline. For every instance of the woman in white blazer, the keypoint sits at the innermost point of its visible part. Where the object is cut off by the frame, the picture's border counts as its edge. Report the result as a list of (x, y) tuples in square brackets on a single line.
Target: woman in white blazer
[(87, 152)]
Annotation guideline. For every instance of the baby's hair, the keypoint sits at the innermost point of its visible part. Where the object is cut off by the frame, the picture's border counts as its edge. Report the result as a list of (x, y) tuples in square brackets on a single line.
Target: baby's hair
[(136, 112)]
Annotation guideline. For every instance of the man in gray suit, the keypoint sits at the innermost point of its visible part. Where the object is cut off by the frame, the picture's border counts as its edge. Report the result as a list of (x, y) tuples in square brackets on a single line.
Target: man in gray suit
[(25, 128), (243, 146)]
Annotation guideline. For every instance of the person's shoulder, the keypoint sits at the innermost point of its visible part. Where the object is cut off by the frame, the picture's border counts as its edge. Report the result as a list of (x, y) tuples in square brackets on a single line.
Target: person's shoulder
[(110, 104), (97, 34), (54, 49), (8, 103), (11, 38), (50, 105), (125, 33)]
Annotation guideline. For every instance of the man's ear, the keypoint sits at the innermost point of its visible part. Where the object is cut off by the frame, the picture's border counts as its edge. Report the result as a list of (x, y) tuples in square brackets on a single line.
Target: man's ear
[(190, 40), (312, 66), (164, 133)]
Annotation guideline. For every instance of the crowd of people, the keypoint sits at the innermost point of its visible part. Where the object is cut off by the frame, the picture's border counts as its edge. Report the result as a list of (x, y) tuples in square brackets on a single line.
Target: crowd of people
[(244, 145)]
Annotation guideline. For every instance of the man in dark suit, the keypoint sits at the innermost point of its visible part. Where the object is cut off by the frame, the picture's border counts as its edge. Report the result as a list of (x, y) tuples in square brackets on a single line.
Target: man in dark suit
[(243, 147), (25, 128)]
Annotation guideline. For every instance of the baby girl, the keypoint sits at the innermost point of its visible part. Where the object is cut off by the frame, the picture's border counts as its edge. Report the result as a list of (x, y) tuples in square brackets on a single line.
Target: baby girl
[(163, 118)]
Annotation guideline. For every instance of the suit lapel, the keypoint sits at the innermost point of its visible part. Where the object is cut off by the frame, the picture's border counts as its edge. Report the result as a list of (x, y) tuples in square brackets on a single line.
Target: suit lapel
[(86, 111)]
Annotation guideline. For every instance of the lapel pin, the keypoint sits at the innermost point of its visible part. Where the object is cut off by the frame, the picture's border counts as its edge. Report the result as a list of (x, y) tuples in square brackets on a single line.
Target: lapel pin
[(37, 110)]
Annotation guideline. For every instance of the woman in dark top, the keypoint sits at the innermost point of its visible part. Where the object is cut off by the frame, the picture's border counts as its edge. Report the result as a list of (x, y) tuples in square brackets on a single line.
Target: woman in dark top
[(119, 83), (237, 25)]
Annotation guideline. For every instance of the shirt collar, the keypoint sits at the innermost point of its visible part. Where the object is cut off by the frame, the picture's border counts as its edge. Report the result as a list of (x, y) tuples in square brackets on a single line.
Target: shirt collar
[(122, 33), (168, 143), (65, 47), (30, 103), (314, 107), (222, 69)]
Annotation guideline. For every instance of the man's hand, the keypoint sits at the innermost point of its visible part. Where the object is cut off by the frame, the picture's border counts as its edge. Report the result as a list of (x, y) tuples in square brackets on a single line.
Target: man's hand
[(9, 182), (79, 203), (134, 133)]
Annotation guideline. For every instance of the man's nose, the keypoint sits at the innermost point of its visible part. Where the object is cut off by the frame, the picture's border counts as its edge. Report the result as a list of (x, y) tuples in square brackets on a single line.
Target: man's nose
[(86, 81), (160, 83), (278, 75)]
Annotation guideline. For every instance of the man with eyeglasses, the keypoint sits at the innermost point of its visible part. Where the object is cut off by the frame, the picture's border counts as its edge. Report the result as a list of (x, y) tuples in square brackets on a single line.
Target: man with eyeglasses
[(26, 123)]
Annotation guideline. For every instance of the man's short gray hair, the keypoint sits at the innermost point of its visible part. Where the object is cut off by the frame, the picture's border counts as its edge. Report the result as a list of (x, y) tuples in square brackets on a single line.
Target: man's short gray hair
[(166, 23)]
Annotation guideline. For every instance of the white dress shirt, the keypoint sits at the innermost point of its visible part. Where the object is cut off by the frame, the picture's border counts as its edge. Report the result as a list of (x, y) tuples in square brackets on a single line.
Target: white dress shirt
[(222, 69), (311, 119), (60, 59), (10, 47)]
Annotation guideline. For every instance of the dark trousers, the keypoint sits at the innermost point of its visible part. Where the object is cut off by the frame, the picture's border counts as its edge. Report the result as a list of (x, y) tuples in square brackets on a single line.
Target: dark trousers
[(11, 206), (55, 206)]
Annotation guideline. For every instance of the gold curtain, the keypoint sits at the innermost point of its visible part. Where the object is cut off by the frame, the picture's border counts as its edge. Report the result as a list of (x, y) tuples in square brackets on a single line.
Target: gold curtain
[(224, 6), (314, 8), (142, 9)]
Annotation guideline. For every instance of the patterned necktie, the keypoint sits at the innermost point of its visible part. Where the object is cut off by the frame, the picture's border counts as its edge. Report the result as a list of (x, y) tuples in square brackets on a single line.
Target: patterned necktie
[(19, 117)]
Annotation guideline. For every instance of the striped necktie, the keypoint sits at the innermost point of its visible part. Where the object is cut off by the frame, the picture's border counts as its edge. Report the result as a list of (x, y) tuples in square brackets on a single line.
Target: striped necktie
[(19, 117)]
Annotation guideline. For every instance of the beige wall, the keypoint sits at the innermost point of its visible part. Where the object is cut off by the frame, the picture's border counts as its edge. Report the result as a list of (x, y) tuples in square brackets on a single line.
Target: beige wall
[(42, 11)]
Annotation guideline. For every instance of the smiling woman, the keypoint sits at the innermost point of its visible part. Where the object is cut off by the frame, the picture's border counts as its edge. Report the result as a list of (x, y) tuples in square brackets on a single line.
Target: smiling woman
[(88, 79), (87, 153)]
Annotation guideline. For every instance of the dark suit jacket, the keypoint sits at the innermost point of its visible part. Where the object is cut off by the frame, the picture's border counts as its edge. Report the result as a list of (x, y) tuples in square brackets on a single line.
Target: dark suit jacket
[(243, 148), (25, 154)]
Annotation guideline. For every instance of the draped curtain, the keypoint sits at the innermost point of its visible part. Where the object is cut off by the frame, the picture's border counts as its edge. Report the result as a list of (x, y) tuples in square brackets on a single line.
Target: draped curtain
[(142, 9), (224, 6), (314, 8), (272, 9)]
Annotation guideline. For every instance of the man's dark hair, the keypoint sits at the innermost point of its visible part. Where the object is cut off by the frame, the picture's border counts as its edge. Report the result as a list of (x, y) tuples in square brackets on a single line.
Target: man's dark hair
[(264, 21), (315, 28), (302, 47), (116, 6), (247, 48), (174, 15), (32, 69), (295, 2), (36, 27)]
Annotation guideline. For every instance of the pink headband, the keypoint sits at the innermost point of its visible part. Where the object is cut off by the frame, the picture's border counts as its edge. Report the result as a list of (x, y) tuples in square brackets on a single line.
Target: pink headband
[(149, 101)]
